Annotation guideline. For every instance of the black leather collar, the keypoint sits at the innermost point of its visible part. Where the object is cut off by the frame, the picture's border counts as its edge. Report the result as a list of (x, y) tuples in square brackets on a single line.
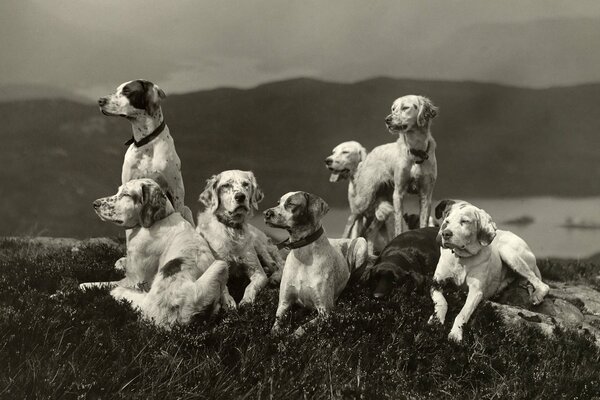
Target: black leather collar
[(149, 138), (286, 244), (420, 155)]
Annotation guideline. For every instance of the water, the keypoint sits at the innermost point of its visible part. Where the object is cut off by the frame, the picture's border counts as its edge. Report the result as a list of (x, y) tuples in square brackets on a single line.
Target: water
[(545, 235)]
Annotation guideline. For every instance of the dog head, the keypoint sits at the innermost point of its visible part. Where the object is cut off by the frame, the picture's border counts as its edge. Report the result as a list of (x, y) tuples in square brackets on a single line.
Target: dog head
[(133, 99), (410, 112), (139, 202), (344, 160), (300, 211), (232, 196), (465, 229)]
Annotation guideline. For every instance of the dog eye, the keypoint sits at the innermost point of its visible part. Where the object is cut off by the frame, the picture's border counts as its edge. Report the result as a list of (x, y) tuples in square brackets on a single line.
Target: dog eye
[(464, 221), (405, 108), (245, 184), (345, 152)]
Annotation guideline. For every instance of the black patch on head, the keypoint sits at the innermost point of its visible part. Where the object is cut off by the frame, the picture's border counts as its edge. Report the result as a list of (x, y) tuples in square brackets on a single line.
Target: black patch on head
[(298, 208), (172, 267), (136, 91), (442, 207)]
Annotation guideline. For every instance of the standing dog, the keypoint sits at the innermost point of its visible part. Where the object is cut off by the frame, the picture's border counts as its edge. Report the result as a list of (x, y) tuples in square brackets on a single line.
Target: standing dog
[(230, 198), (151, 152), (315, 271), (481, 258), (164, 254), (345, 160), (409, 164)]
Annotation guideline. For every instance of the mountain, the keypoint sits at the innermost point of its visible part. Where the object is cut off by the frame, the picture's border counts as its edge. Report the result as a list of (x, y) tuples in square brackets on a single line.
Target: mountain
[(493, 141), (9, 93)]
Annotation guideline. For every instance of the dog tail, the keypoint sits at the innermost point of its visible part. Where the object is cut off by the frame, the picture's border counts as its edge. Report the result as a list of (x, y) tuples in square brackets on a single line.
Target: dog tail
[(210, 285)]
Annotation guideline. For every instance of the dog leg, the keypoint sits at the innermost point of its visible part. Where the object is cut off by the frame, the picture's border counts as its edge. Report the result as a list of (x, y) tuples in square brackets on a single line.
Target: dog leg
[(474, 297), (424, 208), (523, 263), (210, 285), (400, 223), (282, 309), (186, 213), (258, 280), (350, 224), (227, 300), (89, 285), (135, 297), (443, 272)]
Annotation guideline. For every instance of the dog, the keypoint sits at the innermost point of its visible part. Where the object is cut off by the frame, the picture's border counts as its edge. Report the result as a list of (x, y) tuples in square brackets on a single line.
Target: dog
[(344, 161), (164, 255), (478, 256), (409, 164), (316, 270), (151, 152), (409, 258), (230, 198)]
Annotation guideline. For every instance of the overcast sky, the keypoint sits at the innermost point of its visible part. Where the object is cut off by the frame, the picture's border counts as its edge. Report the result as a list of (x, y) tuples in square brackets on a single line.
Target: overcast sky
[(90, 46)]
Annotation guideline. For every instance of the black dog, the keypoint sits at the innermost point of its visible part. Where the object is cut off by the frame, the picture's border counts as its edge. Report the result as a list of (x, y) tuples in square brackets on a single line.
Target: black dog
[(409, 257)]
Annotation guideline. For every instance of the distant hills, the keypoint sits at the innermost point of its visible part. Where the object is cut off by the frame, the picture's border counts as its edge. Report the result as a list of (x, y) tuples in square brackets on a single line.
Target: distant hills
[(493, 141)]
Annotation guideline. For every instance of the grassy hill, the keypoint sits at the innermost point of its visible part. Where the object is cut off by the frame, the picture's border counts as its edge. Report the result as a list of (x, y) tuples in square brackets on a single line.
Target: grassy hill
[(58, 156), (86, 345)]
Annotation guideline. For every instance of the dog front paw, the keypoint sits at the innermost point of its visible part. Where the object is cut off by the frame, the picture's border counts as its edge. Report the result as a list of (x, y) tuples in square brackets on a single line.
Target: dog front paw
[(121, 264), (539, 293), (456, 335), (276, 330), (434, 320), (228, 302)]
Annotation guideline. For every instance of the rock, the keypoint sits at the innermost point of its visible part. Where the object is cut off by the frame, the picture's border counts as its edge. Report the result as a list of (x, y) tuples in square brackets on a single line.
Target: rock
[(568, 306)]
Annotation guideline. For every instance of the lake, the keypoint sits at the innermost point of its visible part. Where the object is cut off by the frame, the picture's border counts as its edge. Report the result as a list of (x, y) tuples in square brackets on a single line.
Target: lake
[(544, 235)]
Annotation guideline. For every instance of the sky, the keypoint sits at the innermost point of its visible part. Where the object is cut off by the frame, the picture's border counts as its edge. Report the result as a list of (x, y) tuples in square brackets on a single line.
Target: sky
[(90, 46)]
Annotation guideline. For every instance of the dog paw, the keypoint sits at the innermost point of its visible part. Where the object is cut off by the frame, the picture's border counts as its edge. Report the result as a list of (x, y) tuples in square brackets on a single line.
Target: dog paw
[(276, 330), (121, 264), (434, 320), (245, 302), (228, 302), (298, 333), (539, 293), (455, 335), (383, 210)]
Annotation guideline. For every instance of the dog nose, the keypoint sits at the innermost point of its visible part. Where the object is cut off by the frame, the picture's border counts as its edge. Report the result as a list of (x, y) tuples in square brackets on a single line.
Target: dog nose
[(268, 213), (239, 197), (388, 119), (102, 101), (328, 161), (96, 203), (446, 233)]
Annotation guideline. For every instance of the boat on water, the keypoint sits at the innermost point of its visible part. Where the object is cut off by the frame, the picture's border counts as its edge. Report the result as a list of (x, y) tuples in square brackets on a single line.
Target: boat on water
[(577, 223)]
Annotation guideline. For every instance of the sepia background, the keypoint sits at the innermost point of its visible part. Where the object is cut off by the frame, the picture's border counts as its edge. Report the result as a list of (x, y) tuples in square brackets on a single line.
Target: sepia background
[(273, 86)]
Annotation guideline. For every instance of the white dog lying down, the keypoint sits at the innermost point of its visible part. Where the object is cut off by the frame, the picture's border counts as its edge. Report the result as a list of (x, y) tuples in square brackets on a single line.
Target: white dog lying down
[(345, 159), (165, 253), (230, 199), (317, 269), (484, 260)]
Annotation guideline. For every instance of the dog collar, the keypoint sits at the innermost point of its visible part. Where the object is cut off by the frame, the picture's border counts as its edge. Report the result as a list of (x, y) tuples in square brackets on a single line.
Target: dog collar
[(421, 155), (286, 244), (149, 138)]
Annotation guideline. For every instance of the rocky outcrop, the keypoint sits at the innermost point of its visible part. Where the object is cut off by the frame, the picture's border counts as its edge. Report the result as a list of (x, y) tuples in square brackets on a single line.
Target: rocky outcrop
[(568, 306)]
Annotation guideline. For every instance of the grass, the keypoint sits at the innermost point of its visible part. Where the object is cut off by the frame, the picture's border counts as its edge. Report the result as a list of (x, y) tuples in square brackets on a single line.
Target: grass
[(86, 345)]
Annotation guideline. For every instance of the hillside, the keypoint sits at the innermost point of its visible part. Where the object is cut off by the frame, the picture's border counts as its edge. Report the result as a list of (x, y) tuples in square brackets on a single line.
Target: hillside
[(493, 141)]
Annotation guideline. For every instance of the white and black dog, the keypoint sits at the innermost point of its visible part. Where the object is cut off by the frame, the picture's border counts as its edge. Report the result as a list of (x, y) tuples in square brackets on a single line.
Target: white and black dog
[(151, 152)]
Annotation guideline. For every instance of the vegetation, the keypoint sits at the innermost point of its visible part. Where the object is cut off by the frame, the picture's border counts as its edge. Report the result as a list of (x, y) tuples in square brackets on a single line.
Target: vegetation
[(86, 345)]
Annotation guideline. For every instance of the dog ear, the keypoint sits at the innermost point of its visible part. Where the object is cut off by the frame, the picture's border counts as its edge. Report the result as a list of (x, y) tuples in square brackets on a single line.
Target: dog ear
[(152, 97), (487, 228), (257, 193), (209, 197), (362, 153), (443, 207), (315, 206), (154, 204), (427, 111)]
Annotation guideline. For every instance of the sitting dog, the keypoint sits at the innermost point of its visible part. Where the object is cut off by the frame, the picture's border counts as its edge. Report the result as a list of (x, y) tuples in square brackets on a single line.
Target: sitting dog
[(151, 152), (409, 257), (481, 258), (164, 254), (343, 163), (409, 164), (230, 198), (315, 271)]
